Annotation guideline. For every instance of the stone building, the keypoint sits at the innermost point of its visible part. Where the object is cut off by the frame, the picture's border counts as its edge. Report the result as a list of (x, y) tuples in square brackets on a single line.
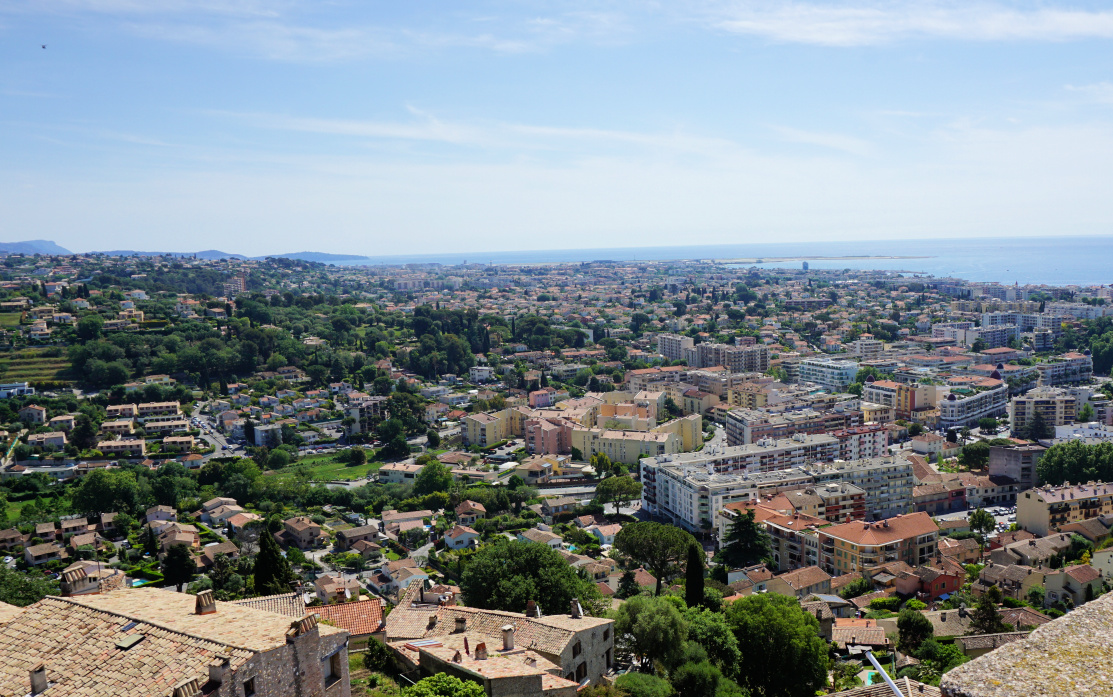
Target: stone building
[(144, 642)]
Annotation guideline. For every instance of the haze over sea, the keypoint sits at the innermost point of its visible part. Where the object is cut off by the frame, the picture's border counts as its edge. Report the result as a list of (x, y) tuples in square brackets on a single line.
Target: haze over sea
[(1040, 260)]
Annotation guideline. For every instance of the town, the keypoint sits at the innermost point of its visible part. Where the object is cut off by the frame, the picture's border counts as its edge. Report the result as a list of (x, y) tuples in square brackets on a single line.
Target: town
[(615, 478)]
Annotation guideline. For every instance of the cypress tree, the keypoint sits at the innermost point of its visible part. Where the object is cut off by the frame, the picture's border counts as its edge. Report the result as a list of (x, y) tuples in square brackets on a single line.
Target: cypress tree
[(693, 574), (272, 570)]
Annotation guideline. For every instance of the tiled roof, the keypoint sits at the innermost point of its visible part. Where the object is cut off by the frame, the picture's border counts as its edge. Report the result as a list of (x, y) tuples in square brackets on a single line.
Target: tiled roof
[(77, 643), (907, 686), (359, 618), (549, 635), (1023, 617), (8, 612), (988, 641), (807, 576), (897, 528), (872, 636)]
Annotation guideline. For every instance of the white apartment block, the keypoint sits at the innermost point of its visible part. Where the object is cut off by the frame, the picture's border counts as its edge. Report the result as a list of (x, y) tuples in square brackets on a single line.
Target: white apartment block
[(868, 349), (672, 346), (1067, 369), (964, 405), (691, 496), (832, 374)]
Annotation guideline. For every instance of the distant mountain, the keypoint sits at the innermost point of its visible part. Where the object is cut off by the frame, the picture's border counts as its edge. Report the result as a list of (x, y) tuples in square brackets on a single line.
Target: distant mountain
[(33, 247), (318, 256), (207, 254)]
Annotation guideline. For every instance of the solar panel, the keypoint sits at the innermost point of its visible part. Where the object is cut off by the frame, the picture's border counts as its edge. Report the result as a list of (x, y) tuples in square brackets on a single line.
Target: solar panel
[(129, 625)]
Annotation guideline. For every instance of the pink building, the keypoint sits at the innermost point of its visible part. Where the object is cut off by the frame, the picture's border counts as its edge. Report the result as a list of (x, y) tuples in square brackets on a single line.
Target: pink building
[(549, 436), (542, 398)]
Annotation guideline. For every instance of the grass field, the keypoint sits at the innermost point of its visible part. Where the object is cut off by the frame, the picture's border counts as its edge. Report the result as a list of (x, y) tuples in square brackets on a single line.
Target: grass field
[(9, 319), (328, 467), (31, 365)]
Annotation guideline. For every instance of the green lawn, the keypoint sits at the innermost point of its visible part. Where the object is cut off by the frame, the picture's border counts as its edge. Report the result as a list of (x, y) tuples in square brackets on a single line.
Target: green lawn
[(32, 366), (9, 319)]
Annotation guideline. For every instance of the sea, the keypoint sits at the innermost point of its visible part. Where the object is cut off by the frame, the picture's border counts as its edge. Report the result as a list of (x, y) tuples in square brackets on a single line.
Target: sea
[(1056, 261)]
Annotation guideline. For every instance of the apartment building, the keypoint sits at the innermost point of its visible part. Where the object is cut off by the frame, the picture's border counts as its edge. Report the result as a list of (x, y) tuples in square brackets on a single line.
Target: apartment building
[(857, 546), (866, 349), (1041, 511), (131, 448), (764, 456), (736, 359), (907, 399), (672, 346), (627, 447), (1056, 405), (971, 399), (745, 426), (486, 429), (1067, 369), (886, 481), (689, 491), (862, 442), (829, 373), (158, 409)]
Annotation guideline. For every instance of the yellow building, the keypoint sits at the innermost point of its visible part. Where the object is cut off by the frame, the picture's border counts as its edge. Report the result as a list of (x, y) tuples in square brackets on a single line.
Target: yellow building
[(1041, 511), (627, 447), (858, 545), (689, 429), (486, 429)]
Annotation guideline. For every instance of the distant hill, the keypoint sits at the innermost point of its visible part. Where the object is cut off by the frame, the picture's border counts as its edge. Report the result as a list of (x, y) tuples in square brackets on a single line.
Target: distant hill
[(318, 256), (33, 247), (207, 254)]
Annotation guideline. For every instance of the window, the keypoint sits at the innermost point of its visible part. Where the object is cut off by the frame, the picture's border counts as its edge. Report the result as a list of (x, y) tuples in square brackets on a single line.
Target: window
[(576, 649), (606, 634), (581, 672), (332, 669), (249, 687)]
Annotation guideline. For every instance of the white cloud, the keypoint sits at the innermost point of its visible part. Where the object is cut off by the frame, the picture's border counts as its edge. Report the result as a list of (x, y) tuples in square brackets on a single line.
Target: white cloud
[(870, 23), (1100, 92)]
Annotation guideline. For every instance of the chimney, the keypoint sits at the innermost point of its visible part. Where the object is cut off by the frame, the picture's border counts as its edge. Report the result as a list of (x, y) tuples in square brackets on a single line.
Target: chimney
[(508, 637), (461, 624), (577, 611), (457, 658), (205, 604), (481, 651), (219, 668), (531, 610), (38, 678), (187, 688)]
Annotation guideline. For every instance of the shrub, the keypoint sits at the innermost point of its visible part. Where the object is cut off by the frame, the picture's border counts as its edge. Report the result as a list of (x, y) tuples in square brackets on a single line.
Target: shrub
[(642, 685)]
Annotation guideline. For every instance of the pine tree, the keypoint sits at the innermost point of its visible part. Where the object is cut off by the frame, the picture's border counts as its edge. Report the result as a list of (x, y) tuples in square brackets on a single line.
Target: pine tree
[(272, 570), (628, 585), (693, 577), (985, 619), (748, 543)]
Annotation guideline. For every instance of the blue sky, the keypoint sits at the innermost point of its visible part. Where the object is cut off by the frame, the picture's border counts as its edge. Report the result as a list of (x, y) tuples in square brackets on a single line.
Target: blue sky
[(378, 127)]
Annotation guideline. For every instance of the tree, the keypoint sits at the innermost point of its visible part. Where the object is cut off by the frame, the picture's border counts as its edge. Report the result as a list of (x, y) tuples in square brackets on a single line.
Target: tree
[(976, 455), (1038, 428), (506, 575), (747, 542), (84, 433), (357, 456), (915, 430), (433, 438), (178, 568), (21, 588), (444, 685), (1085, 414), (628, 585), (1036, 595), (395, 449), (914, 629), (693, 576), (656, 546), (378, 657), (987, 425), (985, 618), (710, 630), (577, 455), (696, 679), (434, 476), (797, 664), (105, 491), (643, 685), (651, 629), (982, 523), (619, 490), (89, 327), (272, 573), (249, 431)]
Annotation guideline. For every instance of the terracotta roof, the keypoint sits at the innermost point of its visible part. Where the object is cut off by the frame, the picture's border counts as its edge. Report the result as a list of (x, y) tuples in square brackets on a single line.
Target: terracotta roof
[(896, 528), (872, 636), (289, 604), (907, 686), (807, 576), (76, 638), (988, 641), (359, 618), (1083, 573)]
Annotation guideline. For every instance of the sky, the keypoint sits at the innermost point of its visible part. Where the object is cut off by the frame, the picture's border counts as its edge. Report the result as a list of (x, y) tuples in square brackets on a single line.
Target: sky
[(373, 127)]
